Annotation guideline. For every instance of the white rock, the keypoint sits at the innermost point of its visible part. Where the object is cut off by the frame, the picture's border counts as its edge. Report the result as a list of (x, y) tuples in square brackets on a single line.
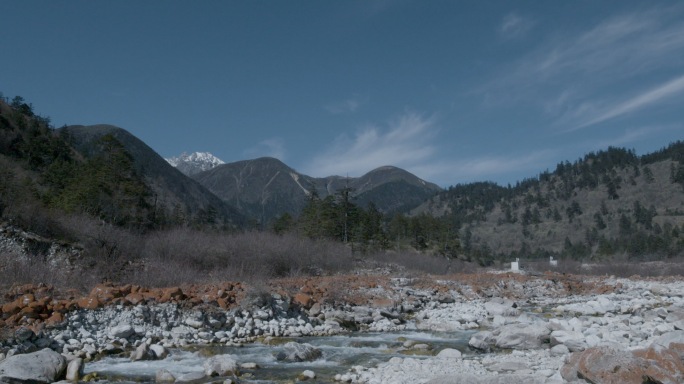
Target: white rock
[(44, 366), (307, 375), (159, 351), (559, 350), (164, 376), (220, 365), (575, 341), (449, 353)]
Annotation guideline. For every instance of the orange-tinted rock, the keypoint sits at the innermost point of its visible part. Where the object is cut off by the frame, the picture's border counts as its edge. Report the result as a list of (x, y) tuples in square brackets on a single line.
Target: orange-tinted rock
[(13, 320), (664, 365), (194, 301), (307, 290), (11, 308), (39, 305), (135, 298), (29, 313), (677, 348), (173, 293), (303, 300), (610, 365), (106, 293), (55, 320), (88, 302), (222, 303)]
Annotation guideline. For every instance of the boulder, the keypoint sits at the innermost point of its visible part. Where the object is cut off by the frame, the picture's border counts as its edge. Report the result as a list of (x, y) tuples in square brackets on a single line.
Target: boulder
[(666, 339), (44, 366), (295, 352), (612, 365), (575, 341), (449, 353), (501, 307), (164, 376), (142, 353), (663, 364), (159, 351), (121, 331), (74, 369), (88, 302), (482, 340), (559, 350), (220, 365), (521, 336)]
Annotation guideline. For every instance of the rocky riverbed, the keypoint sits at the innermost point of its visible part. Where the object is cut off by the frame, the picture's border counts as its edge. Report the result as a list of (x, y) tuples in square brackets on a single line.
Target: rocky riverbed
[(521, 329)]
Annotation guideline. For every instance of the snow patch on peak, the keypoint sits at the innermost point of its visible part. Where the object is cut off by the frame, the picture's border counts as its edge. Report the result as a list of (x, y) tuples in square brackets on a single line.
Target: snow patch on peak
[(195, 162)]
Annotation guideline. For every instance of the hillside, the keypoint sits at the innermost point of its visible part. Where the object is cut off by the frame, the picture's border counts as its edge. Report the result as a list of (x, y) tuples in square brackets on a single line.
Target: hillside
[(102, 172), (610, 203), (266, 188), (172, 190)]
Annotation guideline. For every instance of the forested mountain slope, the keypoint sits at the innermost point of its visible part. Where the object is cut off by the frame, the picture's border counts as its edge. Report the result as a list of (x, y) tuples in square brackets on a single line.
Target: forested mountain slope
[(173, 192), (102, 172), (610, 203)]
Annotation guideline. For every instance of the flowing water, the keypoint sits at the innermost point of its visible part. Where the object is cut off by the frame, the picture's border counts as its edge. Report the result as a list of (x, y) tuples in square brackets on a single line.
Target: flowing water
[(339, 354)]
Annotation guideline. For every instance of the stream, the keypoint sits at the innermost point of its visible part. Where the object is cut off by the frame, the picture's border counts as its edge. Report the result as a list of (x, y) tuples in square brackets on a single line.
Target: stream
[(340, 353)]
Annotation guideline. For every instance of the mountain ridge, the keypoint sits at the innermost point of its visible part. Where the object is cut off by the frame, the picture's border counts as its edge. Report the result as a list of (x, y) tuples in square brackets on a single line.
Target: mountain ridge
[(266, 187)]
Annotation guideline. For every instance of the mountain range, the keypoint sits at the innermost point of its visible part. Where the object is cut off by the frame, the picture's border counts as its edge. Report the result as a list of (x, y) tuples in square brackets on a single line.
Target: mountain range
[(266, 188), (610, 202)]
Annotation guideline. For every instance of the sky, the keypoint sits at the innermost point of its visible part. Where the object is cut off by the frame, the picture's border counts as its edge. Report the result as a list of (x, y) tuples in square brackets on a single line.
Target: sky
[(452, 91)]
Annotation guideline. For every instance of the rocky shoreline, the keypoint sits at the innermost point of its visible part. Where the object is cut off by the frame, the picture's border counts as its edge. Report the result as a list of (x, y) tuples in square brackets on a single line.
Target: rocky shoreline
[(540, 329)]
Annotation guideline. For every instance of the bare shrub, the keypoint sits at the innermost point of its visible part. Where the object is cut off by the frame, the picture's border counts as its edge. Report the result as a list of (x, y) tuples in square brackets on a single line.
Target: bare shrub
[(187, 256), (109, 252), (31, 269)]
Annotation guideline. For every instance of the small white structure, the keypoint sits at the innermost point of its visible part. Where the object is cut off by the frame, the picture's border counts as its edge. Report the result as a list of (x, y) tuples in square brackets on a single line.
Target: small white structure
[(552, 262), (515, 265)]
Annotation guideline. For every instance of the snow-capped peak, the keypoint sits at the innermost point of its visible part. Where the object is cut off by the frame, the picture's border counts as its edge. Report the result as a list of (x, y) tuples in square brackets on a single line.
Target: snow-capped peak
[(195, 162)]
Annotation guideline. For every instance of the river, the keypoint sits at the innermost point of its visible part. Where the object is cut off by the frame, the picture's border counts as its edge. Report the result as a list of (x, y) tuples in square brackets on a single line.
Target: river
[(340, 353)]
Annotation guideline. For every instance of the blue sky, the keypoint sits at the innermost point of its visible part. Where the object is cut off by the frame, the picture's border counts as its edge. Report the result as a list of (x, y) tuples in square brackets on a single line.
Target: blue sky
[(453, 91)]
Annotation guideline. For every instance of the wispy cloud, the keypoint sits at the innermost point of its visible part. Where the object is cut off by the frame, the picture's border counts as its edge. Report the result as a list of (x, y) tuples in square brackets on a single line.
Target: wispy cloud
[(411, 142), (619, 46), (405, 142), (349, 105), (579, 78), (514, 26), (273, 147), (635, 103)]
